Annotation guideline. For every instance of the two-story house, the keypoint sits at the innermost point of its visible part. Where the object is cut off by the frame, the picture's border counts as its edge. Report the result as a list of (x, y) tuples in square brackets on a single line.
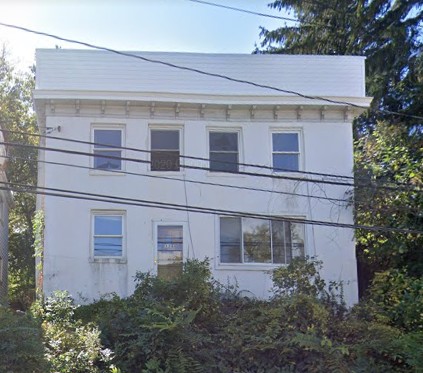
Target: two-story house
[(178, 164), (5, 201)]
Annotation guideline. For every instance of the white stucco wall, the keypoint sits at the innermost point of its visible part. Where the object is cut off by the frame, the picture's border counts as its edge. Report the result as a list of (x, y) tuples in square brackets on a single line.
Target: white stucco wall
[(74, 97), (327, 147)]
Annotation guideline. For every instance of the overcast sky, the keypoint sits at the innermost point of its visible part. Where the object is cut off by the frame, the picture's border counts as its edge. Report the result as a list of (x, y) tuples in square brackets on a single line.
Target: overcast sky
[(141, 25)]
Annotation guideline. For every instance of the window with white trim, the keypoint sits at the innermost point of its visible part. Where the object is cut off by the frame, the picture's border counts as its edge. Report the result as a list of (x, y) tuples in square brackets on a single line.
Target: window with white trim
[(285, 151), (224, 151), (106, 148), (249, 240), (108, 234), (165, 150)]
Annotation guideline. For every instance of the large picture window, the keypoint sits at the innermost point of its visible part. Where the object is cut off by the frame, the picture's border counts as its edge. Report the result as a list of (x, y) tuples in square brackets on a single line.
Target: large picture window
[(224, 153), (107, 155), (286, 151), (108, 238), (248, 240), (165, 150)]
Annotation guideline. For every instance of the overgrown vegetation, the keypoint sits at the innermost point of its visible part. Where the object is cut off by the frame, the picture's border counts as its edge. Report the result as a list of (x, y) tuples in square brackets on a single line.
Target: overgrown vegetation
[(194, 324)]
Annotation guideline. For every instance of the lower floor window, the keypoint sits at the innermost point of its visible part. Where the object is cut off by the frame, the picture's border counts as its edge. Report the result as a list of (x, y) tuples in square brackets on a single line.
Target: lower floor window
[(249, 240), (108, 235)]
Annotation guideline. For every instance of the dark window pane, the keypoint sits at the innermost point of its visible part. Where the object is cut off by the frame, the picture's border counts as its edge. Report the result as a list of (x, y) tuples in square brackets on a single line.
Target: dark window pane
[(285, 162), (256, 240), (165, 161), (223, 141), (107, 137), (224, 162), (278, 241), (107, 225), (164, 140), (105, 163), (285, 142), (170, 238), (108, 246), (230, 240)]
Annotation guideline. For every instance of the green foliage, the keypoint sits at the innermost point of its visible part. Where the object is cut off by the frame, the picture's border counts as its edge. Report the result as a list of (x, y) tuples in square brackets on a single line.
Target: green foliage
[(399, 297), (390, 154), (16, 114), (387, 32), (189, 324), (70, 345), (21, 344)]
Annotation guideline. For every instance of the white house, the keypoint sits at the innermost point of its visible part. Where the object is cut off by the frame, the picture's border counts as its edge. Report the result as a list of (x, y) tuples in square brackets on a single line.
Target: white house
[(154, 133), (5, 201)]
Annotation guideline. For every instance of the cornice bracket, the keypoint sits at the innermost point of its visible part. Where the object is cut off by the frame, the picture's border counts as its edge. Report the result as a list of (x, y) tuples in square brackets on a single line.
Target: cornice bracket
[(202, 110), (299, 112), (228, 111), (152, 109), (127, 108), (253, 111), (323, 112), (276, 112), (103, 106)]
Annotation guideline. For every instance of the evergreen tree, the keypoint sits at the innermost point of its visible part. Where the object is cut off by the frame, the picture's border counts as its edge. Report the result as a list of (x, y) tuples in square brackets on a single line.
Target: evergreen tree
[(388, 147)]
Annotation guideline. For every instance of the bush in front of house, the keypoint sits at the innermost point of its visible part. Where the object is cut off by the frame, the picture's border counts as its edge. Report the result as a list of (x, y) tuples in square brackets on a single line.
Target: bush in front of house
[(194, 324)]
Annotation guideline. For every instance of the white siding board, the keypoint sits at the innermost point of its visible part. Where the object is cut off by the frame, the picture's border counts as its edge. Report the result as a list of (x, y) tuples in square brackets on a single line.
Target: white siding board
[(97, 70)]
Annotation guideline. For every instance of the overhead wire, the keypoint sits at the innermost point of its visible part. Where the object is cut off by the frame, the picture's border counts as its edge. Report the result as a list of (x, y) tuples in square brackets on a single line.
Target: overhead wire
[(372, 183), (203, 72), (271, 176), (67, 193), (173, 178)]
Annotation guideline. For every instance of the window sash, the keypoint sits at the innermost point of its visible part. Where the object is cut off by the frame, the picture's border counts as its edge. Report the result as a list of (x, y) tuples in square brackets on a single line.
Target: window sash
[(165, 158), (290, 158), (105, 163), (217, 162), (236, 251), (108, 245)]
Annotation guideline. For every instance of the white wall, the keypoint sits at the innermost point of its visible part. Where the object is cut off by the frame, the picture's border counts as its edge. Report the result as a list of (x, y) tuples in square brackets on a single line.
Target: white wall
[(327, 147), (74, 70)]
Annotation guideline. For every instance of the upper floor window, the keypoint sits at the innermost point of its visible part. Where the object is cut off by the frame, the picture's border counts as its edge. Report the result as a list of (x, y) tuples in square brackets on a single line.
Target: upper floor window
[(286, 151), (224, 151), (107, 155), (249, 240), (165, 150), (108, 238)]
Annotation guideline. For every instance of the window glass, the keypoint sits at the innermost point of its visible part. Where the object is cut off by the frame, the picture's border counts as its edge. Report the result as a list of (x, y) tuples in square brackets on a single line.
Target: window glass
[(164, 140), (224, 155), (250, 240), (107, 138), (165, 152), (230, 240), (107, 157), (256, 241), (170, 251), (108, 235), (285, 142), (286, 152), (285, 162)]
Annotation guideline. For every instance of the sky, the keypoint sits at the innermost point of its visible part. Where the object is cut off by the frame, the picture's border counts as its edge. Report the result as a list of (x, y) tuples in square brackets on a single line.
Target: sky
[(134, 25)]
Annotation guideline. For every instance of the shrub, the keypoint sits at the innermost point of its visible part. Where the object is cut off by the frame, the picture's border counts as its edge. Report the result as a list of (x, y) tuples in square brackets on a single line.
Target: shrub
[(70, 346), (21, 345)]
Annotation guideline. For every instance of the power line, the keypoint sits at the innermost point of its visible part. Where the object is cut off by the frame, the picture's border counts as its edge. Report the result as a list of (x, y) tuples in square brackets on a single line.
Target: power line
[(372, 184), (271, 176), (202, 72), (66, 193), (180, 156), (336, 201), (171, 178), (244, 10)]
